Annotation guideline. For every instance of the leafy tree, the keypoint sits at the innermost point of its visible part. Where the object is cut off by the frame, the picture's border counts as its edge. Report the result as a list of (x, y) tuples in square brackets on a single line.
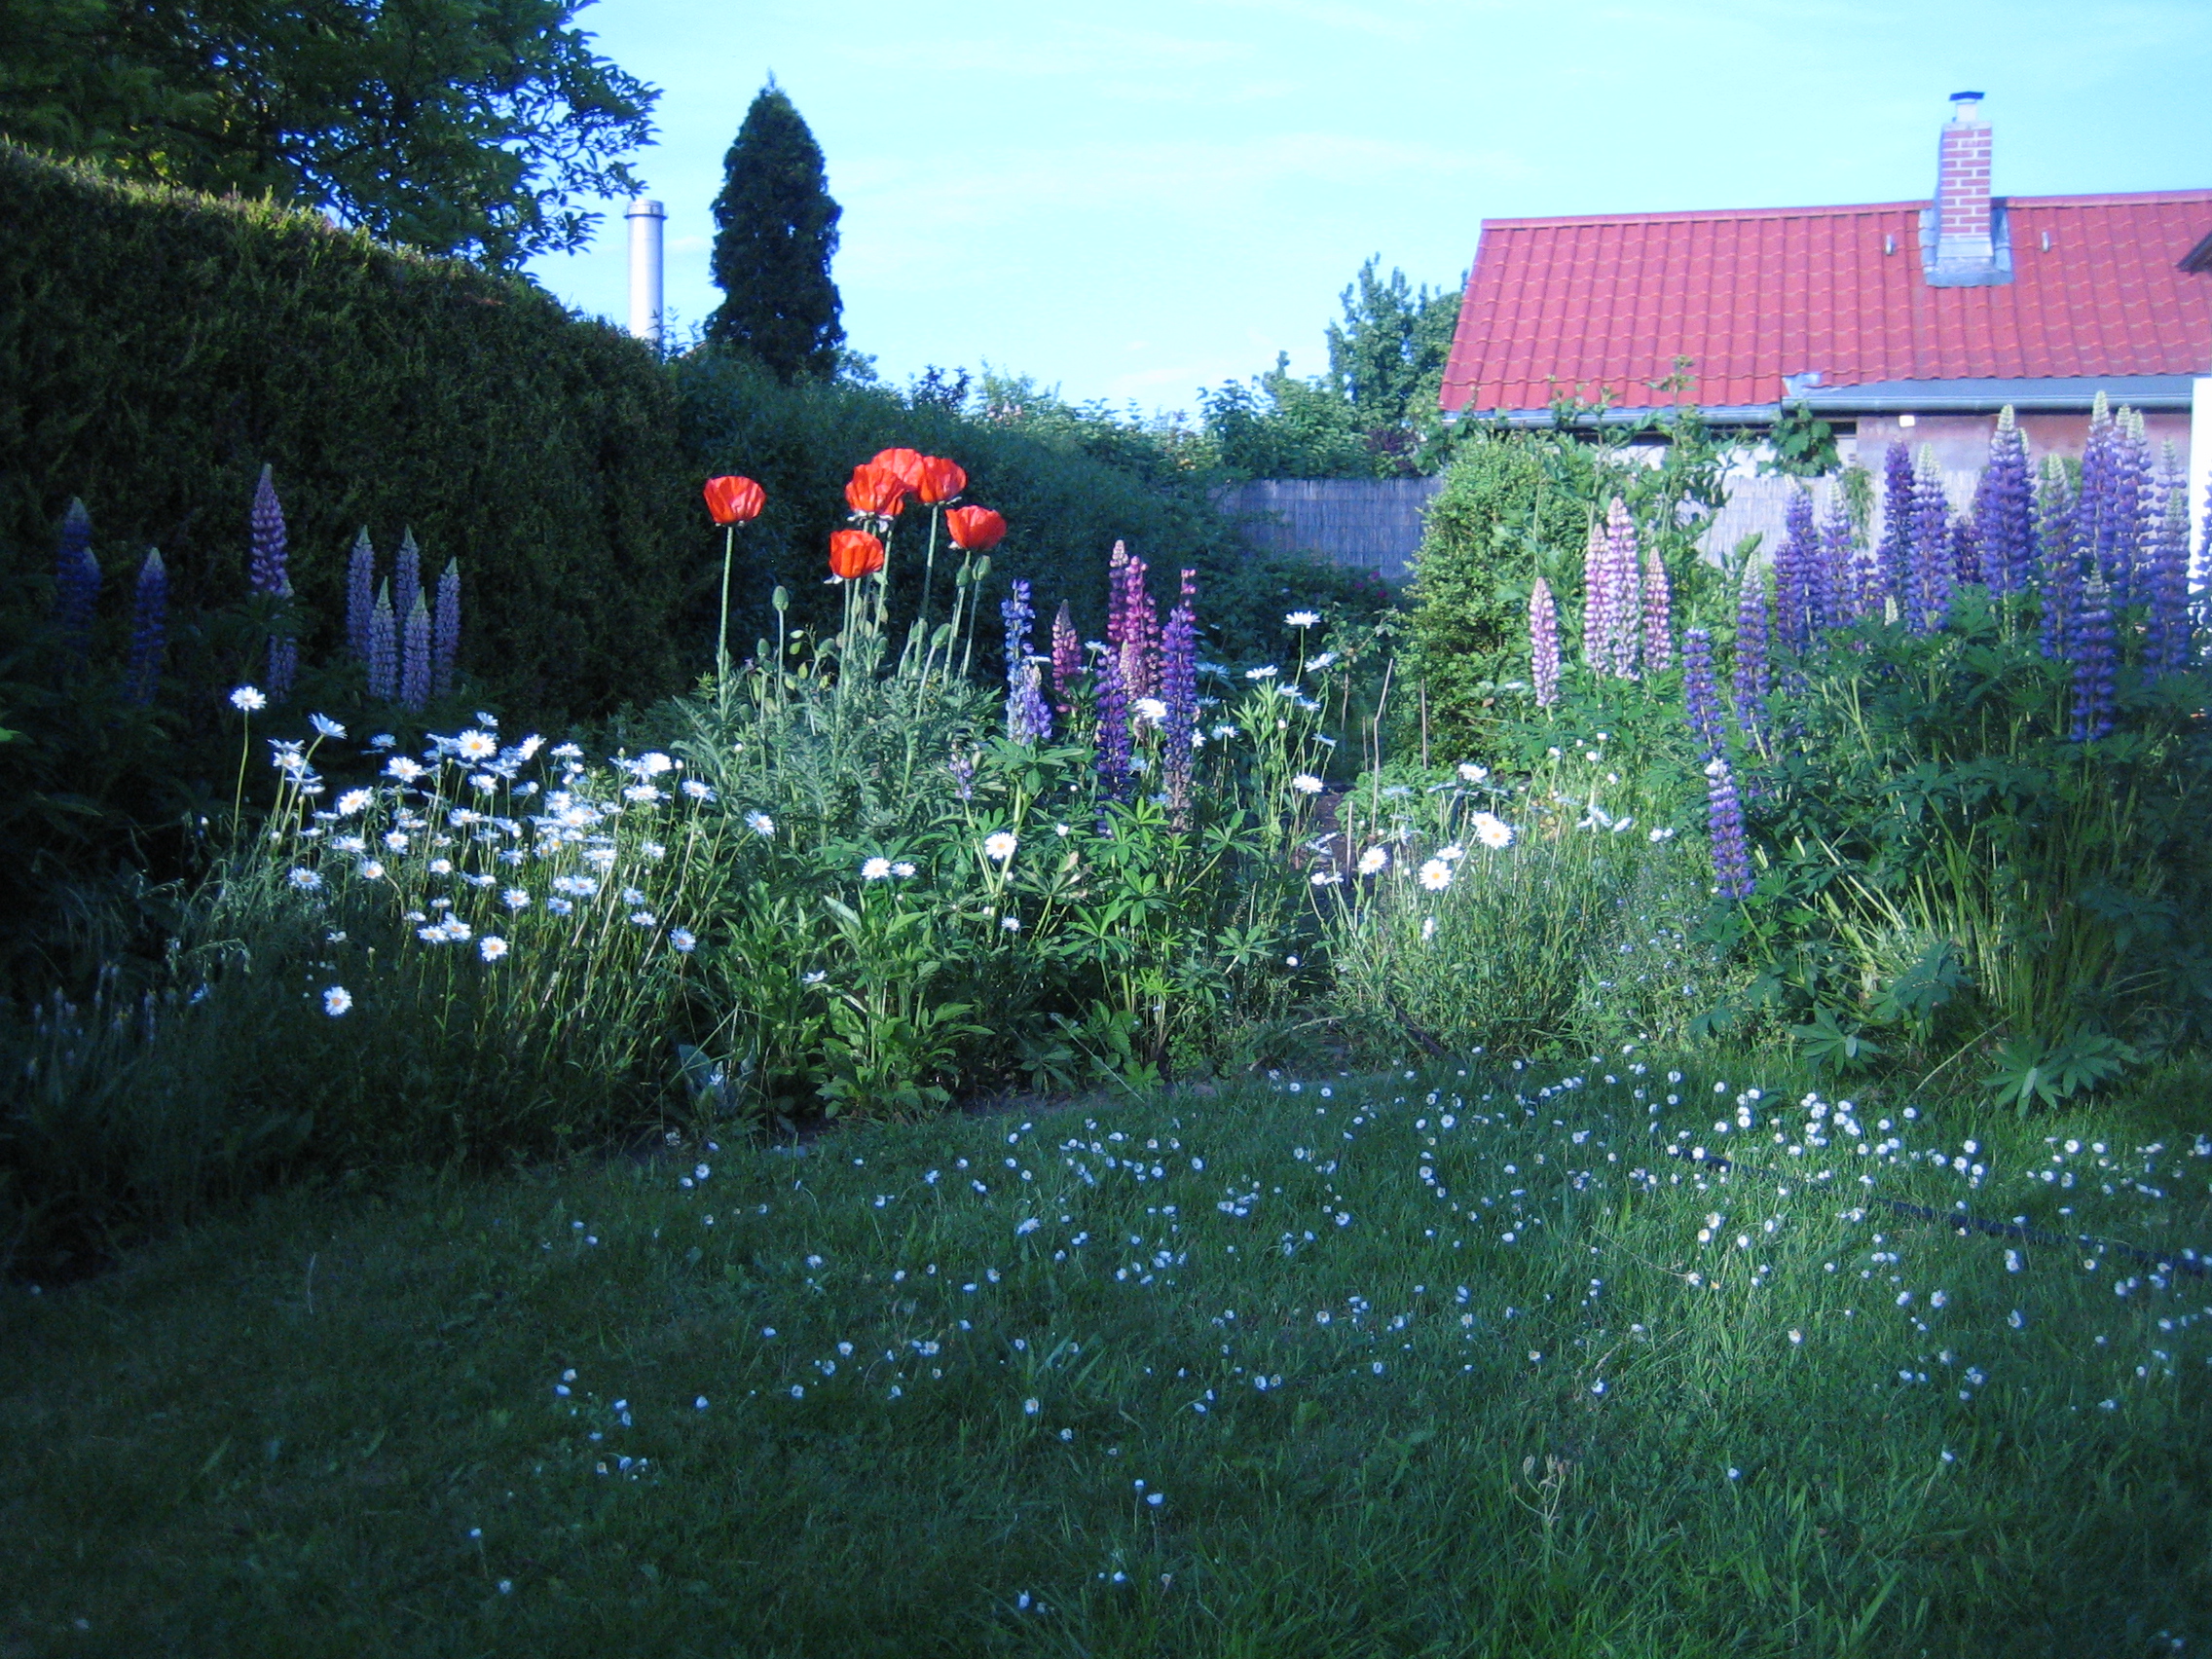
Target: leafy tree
[(1387, 358), (777, 231), (459, 127), (1281, 427)]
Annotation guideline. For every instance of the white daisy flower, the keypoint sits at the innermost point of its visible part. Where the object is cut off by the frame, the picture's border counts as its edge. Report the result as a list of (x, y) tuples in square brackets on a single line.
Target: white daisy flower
[(1436, 876), (1373, 859), (760, 824), (337, 999), (875, 870), (327, 726), (1470, 773), (304, 879), (682, 941), (249, 701), (1302, 619), (354, 801), (1492, 831), (476, 746), (491, 947), (1306, 783), (404, 768), (999, 846)]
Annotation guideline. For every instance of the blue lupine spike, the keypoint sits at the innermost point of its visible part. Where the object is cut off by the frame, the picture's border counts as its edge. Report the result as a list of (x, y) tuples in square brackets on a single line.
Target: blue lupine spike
[(384, 648), (2094, 661), (2167, 644), (1701, 698), (1893, 555), (1796, 573), (1750, 676), (2058, 559), (1838, 588), (149, 629), (415, 658), (406, 577), (361, 595), (76, 582), (445, 631), (1930, 592), (1724, 818), (1179, 690), (2004, 505), (266, 571)]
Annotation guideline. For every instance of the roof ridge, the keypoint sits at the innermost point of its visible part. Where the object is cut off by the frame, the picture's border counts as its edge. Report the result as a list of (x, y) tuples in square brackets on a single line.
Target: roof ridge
[(2110, 199)]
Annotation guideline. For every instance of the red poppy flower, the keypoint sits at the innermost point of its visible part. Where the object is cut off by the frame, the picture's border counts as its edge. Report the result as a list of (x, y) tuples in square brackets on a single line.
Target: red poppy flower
[(906, 464), (939, 480), (974, 530), (854, 554), (875, 490), (735, 500)]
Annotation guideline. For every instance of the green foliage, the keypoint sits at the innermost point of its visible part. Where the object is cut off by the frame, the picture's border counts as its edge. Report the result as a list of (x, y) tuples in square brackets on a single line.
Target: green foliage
[(1070, 482), (1804, 445), (775, 234), (1581, 931), (1944, 867), (1387, 358), (465, 128), (158, 348), (1281, 427)]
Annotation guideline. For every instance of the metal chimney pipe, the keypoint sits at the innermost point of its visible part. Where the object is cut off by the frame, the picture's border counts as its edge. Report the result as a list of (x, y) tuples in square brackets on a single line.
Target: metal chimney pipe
[(645, 220)]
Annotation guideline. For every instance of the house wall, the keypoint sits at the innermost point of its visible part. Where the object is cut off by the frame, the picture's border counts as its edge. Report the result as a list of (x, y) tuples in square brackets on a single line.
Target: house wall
[(1962, 441)]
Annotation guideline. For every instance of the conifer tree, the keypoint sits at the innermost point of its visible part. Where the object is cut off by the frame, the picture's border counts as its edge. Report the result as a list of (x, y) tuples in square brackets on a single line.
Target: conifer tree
[(776, 231)]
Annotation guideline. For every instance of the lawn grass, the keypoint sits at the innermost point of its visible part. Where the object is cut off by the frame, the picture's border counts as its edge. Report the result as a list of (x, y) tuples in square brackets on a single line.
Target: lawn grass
[(1512, 1403)]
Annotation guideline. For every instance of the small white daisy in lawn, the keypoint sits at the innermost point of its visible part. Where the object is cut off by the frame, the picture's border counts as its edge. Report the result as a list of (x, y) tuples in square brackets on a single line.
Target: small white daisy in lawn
[(1012, 924), (875, 870), (1306, 783), (337, 999), (491, 947), (682, 941), (999, 846), (1302, 619), (902, 869), (643, 919), (370, 870), (304, 879), (759, 823), (248, 700), (1470, 773), (441, 866), (1492, 831), (354, 801), (476, 746), (1436, 876), (404, 768), (1373, 859)]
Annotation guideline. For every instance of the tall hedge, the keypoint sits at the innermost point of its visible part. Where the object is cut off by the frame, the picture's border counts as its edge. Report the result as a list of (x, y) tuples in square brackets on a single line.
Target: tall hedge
[(157, 348)]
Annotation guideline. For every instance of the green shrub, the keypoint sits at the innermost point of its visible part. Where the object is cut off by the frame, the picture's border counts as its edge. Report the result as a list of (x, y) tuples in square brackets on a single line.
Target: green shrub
[(157, 348)]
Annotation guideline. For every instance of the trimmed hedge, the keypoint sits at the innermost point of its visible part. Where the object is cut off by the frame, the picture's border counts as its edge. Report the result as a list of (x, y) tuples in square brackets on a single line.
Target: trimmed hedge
[(158, 347)]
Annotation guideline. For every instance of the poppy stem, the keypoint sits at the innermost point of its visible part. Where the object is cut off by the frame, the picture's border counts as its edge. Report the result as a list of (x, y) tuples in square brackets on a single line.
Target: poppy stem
[(721, 635)]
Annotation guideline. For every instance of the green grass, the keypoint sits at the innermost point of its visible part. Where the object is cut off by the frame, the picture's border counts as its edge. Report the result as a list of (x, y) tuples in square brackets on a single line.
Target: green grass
[(333, 1426)]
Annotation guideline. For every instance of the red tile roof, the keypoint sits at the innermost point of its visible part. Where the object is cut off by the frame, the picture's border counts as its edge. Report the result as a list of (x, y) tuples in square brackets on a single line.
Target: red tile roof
[(1753, 295)]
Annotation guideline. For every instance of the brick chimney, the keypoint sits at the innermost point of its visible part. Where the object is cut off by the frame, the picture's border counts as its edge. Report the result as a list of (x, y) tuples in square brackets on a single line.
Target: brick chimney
[(1965, 250)]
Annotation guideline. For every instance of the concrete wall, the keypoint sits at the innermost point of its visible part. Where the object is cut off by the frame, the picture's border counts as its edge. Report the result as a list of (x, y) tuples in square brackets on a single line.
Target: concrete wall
[(1962, 441)]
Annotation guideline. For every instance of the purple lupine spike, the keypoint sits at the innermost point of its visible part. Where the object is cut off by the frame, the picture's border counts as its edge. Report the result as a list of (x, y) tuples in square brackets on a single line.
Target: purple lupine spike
[(406, 577), (1140, 632), (415, 658), (1838, 586), (1179, 690), (963, 770), (1658, 616), (2131, 506), (2096, 516), (76, 582), (2167, 646), (1796, 573), (1966, 551), (149, 629), (264, 571), (1543, 644), (361, 595), (383, 658), (1724, 818), (1751, 676), (1117, 590), (1930, 592), (1701, 698), (2060, 556), (2004, 506), (445, 631), (1627, 582), (1113, 725), (1597, 599), (1067, 658), (2094, 661), (1893, 555)]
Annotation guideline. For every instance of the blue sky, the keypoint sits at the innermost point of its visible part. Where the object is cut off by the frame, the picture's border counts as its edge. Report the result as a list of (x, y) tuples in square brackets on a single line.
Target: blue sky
[(1135, 201)]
